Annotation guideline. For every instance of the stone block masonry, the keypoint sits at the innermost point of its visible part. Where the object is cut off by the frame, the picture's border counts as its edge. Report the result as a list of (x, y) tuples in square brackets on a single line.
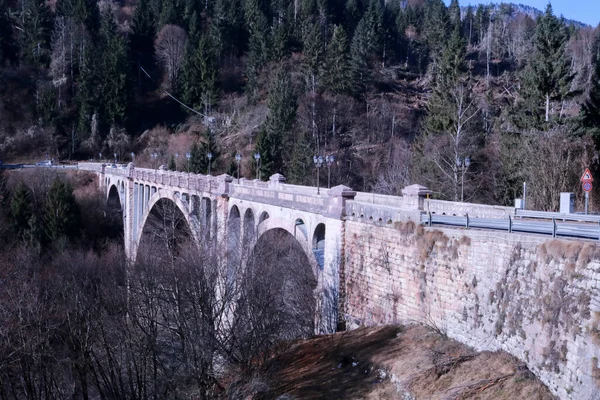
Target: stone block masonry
[(532, 297)]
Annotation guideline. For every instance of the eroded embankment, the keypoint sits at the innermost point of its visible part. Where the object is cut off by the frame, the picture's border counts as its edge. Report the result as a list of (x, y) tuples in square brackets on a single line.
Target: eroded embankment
[(390, 362)]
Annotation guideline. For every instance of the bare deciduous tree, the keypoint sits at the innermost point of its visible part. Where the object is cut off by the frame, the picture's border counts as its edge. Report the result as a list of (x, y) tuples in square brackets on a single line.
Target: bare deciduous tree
[(170, 50)]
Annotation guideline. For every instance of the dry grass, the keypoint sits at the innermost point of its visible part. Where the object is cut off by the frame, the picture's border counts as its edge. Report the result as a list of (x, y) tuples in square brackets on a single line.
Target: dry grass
[(429, 240), (390, 362), (573, 252)]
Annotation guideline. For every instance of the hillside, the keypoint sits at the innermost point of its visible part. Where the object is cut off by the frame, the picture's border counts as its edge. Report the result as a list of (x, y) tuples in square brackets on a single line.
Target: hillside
[(396, 94), (412, 362)]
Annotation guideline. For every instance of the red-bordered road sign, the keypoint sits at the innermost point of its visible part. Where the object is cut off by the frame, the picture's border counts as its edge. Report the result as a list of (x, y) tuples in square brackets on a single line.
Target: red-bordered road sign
[(587, 186), (587, 176)]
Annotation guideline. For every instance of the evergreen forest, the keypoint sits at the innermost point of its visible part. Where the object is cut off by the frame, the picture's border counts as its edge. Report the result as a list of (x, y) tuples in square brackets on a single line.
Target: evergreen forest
[(398, 91)]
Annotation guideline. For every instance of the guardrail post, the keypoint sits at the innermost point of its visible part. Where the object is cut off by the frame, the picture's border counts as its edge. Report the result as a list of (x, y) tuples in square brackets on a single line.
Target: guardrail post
[(553, 227), (467, 221), (509, 224)]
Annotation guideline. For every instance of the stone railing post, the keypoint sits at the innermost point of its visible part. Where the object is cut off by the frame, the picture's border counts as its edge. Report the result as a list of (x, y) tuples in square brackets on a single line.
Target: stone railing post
[(276, 181), (413, 197), (336, 201), (224, 181)]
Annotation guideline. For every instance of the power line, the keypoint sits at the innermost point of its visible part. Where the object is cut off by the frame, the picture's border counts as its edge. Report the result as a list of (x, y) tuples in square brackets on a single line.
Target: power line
[(173, 97)]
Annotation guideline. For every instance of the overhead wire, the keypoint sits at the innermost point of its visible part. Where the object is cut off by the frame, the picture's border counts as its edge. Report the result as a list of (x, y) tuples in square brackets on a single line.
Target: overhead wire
[(173, 97)]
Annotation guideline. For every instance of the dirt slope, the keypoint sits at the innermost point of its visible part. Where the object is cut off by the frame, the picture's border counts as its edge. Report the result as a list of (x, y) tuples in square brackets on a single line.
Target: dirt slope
[(391, 362)]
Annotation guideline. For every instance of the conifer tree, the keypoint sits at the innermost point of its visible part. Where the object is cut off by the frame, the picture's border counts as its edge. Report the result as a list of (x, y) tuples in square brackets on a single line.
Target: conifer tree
[(301, 163), (436, 28), (86, 94), (36, 32), (337, 70), (196, 161), (274, 137), (313, 53), (590, 109), (142, 35), (8, 50), (20, 209), (359, 57), (200, 82), (114, 82), (86, 12), (172, 165), (258, 44), (61, 212), (228, 20), (547, 77)]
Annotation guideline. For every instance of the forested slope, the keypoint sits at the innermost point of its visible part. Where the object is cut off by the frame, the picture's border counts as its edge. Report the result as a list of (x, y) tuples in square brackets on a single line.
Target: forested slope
[(395, 90)]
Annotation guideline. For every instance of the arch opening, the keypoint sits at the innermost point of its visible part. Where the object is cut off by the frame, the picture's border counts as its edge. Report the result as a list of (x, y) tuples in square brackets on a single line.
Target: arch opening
[(318, 245), (278, 256), (114, 212), (166, 234), (263, 217), (301, 227), (249, 228)]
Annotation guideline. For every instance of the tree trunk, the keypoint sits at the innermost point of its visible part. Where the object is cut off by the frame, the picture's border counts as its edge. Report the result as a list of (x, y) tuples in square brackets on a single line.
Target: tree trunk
[(547, 107)]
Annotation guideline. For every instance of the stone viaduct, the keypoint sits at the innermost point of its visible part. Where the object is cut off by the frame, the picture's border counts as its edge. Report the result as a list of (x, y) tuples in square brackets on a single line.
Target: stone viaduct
[(532, 296)]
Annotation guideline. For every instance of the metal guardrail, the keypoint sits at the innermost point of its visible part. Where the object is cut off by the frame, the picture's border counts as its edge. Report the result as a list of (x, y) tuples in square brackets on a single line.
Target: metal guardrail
[(553, 227), (557, 216)]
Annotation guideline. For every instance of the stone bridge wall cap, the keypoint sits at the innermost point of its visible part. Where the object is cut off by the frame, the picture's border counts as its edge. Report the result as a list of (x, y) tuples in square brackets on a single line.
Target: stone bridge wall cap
[(341, 190), (277, 178), (226, 177), (416, 189)]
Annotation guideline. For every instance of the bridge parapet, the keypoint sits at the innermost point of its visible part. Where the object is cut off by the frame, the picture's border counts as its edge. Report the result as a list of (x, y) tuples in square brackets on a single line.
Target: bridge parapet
[(441, 207)]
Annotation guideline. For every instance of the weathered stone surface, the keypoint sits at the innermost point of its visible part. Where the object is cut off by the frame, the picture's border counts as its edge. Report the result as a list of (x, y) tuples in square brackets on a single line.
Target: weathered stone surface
[(532, 297)]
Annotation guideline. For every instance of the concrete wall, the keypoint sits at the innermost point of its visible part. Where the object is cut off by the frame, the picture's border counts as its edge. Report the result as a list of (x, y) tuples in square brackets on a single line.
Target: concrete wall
[(535, 298)]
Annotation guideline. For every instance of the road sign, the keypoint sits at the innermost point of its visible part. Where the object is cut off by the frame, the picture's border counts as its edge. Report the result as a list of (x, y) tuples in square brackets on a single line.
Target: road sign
[(587, 186), (587, 176)]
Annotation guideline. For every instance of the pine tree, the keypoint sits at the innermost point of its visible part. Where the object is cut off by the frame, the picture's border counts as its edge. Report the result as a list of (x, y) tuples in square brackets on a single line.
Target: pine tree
[(86, 95), (20, 209), (352, 15), (115, 85), (200, 82), (61, 212), (259, 45), (142, 34), (8, 50), (313, 52), (168, 14), (273, 139), (301, 163), (86, 12), (36, 32), (197, 163), (547, 77), (436, 28), (359, 57), (590, 109), (172, 165), (337, 70), (228, 20), (452, 62)]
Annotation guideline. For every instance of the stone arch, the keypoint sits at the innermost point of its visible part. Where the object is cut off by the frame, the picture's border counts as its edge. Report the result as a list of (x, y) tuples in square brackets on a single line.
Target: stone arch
[(279, 255), (191, 222), (114, 195), (234, 228), (318, 239), (263, 216), (249, 227), (318, 245), (289, 226), (299, 225)]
